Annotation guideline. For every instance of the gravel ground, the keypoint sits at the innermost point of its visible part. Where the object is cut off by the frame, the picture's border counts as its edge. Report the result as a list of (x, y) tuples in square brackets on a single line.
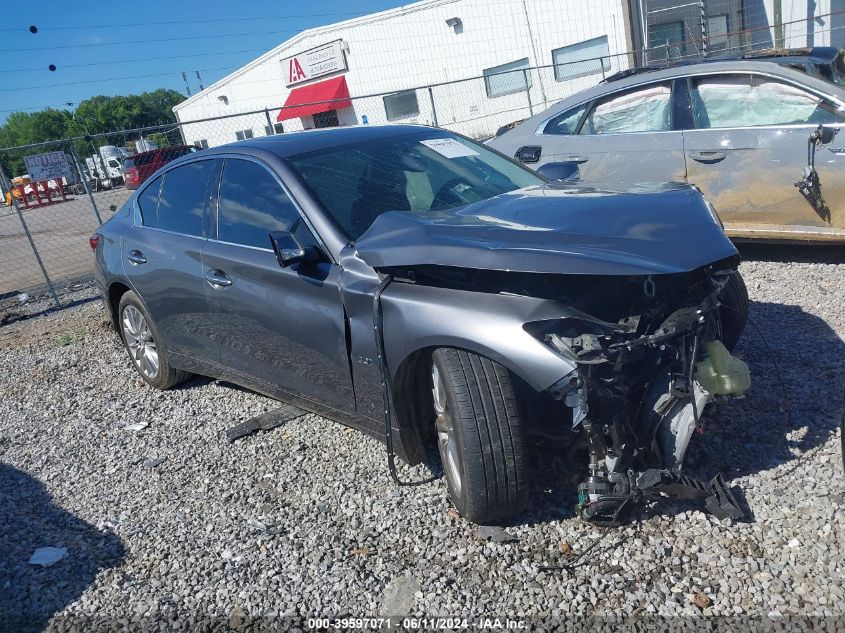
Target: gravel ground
[(172, 521)]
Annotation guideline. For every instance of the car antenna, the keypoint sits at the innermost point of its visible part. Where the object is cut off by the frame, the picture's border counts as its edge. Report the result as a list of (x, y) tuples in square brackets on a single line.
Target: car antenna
[(384, 374)]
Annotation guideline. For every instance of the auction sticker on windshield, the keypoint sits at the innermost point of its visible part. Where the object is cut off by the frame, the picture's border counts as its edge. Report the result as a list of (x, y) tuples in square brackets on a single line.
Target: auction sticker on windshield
[(449, 147)]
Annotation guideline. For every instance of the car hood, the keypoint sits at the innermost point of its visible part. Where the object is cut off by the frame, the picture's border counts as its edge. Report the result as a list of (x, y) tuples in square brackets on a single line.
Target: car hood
[(568, 229)]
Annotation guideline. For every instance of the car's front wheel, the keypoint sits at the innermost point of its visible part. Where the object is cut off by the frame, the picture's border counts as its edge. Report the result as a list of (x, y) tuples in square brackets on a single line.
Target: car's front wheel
[(480, 435), (143, 344)]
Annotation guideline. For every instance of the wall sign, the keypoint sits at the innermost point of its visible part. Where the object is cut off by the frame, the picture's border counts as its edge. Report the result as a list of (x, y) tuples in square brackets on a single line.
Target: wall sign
[(49, 166), (316, 62)]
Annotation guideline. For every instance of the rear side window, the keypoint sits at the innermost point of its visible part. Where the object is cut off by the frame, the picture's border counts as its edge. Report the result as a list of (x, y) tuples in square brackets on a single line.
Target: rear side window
[(252, 204), (746, 101), (644, 110), (148, 202), (128, 163), (183, 194)]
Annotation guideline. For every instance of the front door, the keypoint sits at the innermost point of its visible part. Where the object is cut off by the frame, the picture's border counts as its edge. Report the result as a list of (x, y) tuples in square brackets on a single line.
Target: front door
[(749, 146), (627, 137), (279, 327), (162, 256)]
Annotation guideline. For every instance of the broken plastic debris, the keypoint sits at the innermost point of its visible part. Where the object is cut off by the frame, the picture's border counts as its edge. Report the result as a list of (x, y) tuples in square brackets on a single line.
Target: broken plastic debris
[(496, 534), (22, 297), (701, 601), (47, 556), (264, 422), (137, 426), (362, 551)]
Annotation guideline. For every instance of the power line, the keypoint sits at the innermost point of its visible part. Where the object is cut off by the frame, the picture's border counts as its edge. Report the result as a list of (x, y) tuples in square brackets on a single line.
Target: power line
[(95, 81), (137, 59), (166, 39), (87, 27)]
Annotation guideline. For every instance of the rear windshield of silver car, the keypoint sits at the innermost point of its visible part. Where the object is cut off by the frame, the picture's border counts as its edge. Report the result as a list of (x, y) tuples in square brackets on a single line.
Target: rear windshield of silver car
[(426, 173)]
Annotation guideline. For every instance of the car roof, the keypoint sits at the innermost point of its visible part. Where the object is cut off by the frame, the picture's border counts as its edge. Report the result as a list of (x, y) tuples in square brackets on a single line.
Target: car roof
[(299, 142), (675, 72), (802, 59)]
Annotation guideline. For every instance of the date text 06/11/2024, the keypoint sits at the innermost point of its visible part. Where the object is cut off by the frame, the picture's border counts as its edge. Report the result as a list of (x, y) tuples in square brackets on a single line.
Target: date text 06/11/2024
[(418, 624)]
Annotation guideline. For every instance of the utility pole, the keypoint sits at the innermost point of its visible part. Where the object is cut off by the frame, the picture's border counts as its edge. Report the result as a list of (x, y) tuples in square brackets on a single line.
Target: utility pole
[(777, 12)]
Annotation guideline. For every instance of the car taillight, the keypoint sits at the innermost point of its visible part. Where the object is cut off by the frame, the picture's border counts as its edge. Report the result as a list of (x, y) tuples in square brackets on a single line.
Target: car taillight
[(93, 241), (131, 174)]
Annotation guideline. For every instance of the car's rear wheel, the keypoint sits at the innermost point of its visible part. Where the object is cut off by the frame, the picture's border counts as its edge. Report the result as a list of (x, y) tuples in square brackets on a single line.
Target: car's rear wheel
[(733, 312), (143, 344), (480, 435)]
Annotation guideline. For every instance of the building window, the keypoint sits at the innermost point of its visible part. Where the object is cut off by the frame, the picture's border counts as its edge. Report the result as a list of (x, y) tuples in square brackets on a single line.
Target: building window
[(717, 31), (579, 60), (242, 135), (507, 79), (401, 105), (202, 143), (665, 41), (278, 128)]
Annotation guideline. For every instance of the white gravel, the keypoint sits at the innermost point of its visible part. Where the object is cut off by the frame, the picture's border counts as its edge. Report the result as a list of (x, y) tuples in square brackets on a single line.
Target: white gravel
[(172, 521)]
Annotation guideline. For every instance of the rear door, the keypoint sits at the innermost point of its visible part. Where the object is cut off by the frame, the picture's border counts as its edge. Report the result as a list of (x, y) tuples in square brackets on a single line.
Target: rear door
[(749, 146), (624, 137), (281, 327), (162, 255)]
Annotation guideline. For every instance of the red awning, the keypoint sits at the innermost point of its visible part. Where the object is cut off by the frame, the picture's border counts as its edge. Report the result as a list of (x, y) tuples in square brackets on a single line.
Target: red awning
[(332, 94)]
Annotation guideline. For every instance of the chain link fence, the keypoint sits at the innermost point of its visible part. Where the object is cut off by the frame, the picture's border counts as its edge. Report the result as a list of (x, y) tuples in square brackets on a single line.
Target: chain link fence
[(45, 225)]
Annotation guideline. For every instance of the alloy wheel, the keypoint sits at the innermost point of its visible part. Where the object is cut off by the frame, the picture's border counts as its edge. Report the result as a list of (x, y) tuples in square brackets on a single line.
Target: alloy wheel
[(140, 342), (446, 440)]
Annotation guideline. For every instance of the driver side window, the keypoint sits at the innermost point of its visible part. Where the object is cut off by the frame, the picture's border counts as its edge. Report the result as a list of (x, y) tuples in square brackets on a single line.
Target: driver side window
[(565, 123)]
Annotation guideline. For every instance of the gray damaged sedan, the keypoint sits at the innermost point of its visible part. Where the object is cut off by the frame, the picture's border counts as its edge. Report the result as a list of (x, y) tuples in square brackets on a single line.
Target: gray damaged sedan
[(760, 137), (423, 288)]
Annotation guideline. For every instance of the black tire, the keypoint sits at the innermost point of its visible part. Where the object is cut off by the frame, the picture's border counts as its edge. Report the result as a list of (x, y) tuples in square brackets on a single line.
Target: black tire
[(166, 376), (733, 312), (488, 432)]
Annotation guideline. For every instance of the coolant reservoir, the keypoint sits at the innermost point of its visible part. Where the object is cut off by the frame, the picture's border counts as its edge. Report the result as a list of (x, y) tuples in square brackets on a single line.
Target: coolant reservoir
[(722, 374)]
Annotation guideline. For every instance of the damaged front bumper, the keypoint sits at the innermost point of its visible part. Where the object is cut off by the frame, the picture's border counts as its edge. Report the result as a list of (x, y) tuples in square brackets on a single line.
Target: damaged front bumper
[(637, 393)]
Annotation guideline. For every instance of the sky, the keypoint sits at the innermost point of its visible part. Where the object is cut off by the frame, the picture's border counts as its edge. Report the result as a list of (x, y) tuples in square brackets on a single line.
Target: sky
[(128, 47)]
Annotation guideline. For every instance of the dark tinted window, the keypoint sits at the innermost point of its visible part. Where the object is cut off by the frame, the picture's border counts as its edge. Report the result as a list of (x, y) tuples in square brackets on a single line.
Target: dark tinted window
[(148, 201), (252, 204), (182, 200)]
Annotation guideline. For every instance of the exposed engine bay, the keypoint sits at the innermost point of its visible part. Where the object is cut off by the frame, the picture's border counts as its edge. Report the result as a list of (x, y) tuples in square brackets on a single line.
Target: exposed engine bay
[(638, 391)]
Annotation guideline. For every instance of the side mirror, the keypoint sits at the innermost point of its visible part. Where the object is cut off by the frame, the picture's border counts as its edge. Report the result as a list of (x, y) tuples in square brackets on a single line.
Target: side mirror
[(560, 171), (826, 134), (289, 251)]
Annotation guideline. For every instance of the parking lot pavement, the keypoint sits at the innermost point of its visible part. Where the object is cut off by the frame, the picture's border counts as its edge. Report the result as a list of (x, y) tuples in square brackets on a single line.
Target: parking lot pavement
[(60, 232), (173, 521)]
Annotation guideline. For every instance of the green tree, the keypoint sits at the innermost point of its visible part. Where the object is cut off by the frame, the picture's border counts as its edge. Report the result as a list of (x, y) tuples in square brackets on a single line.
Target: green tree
[(97, 115)]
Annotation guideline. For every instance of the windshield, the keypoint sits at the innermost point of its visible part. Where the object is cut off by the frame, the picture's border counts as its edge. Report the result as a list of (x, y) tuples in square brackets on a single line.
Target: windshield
[(419, 172)]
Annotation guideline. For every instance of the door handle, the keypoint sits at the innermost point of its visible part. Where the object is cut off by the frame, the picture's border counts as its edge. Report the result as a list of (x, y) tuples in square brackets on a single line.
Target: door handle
[(136, 257), (218, 279), (577, 159), (529, 154), (708, 158)]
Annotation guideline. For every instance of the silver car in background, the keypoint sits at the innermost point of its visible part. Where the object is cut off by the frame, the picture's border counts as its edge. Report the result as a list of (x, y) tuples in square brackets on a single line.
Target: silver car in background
[(739, 130)]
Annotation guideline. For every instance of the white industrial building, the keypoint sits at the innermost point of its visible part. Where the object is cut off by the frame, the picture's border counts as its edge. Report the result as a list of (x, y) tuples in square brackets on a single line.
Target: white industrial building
[(474, 65)]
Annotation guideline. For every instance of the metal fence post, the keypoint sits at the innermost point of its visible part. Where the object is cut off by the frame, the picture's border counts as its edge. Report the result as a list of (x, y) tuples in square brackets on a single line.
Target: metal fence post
[(433, 107), (8, 185), (527, 91), (269, 123), (85, 183)]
